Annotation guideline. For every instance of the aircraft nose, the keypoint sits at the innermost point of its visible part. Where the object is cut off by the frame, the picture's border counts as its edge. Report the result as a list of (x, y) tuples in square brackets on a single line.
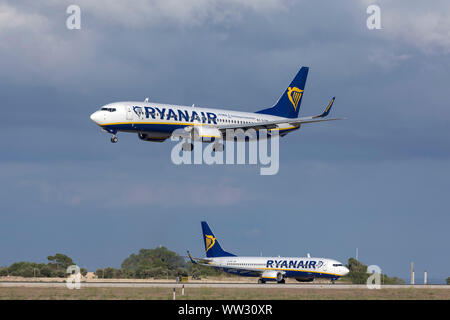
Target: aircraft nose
[(95, 117), (345, 271)]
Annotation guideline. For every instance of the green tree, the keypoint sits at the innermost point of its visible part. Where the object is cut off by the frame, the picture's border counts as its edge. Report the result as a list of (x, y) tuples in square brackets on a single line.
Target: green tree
[(25, 269), (60, 273), (83, 272), (358, 271), (197, 270), (358, 274), (128, 274), (448, 280), (46, 271), (3, 272), (392, 280), (60, 261), (159, 262), (55, 268), (100, 273), (181, 272), (112, 273)]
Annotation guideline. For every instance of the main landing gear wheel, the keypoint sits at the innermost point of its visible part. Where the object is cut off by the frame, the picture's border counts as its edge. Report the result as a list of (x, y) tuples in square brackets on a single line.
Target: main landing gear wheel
[(261, 281), (281, 281), (187, 146), (114, 139), (218, 147)]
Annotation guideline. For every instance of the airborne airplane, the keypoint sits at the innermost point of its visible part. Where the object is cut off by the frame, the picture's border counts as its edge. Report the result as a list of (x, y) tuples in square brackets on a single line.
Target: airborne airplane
[(303, 269), (157, 122)]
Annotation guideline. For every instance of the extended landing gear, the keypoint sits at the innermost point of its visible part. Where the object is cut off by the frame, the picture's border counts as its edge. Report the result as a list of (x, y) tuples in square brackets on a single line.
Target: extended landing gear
[(261, 281), (187, 146), (114, 139), (218, 147), (281, 281)]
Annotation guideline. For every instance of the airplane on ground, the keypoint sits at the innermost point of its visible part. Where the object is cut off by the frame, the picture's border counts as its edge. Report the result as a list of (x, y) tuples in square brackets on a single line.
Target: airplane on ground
[(157, 121), (303, 269)]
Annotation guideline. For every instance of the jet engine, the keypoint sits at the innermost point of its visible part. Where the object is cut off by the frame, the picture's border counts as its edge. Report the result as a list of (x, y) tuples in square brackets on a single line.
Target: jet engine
[(153, 136), (272, 275)]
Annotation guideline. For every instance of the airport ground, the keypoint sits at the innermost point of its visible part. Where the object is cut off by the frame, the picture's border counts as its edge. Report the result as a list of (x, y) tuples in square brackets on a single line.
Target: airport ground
[(245, 289)]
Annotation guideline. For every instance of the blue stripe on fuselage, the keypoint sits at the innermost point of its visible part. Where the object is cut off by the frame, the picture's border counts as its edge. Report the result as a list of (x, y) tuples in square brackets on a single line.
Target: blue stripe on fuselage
[(289, 274), (145, 127)]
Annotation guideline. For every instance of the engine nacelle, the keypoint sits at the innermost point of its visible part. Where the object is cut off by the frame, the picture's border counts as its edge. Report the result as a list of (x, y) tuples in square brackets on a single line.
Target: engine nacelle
[(272, 275), (153, 136)]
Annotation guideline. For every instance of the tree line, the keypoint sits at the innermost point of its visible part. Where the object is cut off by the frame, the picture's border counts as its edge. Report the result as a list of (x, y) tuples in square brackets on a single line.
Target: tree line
[(55, 268), (147, 263), (358, 274), (157, 263)]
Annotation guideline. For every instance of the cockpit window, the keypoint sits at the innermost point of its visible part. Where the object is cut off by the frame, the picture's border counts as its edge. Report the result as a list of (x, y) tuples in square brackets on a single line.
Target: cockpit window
[(337, 264), (108, 109)]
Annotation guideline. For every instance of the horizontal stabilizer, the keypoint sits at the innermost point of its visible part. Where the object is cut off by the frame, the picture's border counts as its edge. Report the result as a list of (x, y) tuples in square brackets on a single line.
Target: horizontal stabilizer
[(272, 124), (198, 260)]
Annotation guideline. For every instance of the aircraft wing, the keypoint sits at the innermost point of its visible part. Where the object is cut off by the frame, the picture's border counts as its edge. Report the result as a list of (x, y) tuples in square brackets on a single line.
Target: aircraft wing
[(294, 121)]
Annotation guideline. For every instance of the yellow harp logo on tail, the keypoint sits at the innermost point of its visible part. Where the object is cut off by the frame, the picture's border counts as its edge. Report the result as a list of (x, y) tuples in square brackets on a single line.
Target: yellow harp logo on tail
[(294, 95), (210, 241)]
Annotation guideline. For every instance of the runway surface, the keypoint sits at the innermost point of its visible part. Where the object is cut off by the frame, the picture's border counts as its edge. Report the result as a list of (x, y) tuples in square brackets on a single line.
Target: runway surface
[(212, 285)]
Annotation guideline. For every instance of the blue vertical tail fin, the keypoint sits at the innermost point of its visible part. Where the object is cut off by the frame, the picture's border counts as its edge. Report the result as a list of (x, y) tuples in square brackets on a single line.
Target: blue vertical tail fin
[(212, 246), (289, 103)]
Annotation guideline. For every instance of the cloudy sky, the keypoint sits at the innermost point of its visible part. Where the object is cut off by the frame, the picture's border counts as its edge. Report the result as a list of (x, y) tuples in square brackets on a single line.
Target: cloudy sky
[(378, 181)]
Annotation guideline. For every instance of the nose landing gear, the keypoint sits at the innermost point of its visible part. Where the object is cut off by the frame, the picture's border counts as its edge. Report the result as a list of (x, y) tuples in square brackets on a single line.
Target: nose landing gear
[(114, 139), (218, 147)]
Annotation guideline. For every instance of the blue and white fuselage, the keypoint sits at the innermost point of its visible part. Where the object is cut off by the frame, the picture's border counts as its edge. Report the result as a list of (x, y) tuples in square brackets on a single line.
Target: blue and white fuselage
[(267, 268), (303, 269), (157, 121)]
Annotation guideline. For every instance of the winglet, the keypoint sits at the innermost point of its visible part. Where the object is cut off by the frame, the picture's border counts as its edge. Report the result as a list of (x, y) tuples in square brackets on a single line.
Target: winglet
[(190, 257), (327, 109)]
